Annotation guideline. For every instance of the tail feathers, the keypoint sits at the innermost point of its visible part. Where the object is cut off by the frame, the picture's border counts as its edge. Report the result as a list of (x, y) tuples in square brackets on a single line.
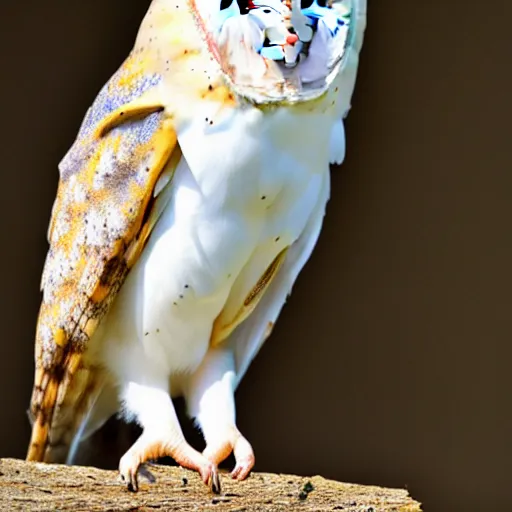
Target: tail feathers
[(58, 407), (44, 397)]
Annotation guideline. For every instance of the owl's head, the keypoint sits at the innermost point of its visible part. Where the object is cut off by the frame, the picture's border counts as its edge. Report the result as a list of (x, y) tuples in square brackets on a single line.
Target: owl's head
[(278, 50)]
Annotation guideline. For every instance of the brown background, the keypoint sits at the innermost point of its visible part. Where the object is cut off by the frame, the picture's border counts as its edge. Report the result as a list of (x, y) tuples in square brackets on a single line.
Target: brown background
[(390, 363)]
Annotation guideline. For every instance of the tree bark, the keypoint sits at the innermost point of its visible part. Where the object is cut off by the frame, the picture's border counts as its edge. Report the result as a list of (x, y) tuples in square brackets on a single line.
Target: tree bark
[(41, 487)]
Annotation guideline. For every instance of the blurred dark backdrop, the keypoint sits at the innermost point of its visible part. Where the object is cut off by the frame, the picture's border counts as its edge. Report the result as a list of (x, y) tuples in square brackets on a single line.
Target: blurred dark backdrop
[(390, 363)]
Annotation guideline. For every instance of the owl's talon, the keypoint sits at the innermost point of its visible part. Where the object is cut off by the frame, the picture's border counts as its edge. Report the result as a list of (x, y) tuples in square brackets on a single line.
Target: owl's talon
[(132, 483), (130, 476), (129, 466), (210, 476), (215, 482)]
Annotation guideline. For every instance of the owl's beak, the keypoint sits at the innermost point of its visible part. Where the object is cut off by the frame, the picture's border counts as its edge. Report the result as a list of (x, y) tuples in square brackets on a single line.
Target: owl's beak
[(291, 39)]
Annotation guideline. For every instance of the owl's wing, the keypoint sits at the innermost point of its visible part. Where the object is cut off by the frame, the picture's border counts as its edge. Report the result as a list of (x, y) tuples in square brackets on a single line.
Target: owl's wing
[(105, 209)]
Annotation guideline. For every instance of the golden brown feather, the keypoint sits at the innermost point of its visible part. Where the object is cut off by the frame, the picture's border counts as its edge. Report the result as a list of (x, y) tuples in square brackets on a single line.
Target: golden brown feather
[(98, 229)]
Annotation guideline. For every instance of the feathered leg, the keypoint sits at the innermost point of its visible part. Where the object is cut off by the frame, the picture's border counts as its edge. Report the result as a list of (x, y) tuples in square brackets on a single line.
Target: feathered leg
[(210, 400)]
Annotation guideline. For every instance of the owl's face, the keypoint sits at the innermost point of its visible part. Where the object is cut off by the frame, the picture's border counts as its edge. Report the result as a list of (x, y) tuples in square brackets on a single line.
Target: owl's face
[(262, 45)]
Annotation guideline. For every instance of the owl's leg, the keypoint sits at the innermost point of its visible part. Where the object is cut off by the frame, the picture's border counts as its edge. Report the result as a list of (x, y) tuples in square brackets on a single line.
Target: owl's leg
[(210, 400), (162, 436)]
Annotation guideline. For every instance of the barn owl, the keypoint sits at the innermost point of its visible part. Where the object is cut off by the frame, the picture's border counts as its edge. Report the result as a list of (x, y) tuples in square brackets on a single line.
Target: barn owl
[(186, 208)]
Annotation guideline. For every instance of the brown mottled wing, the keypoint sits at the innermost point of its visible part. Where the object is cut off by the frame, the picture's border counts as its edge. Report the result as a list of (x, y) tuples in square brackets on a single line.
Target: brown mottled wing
[(100, 221)]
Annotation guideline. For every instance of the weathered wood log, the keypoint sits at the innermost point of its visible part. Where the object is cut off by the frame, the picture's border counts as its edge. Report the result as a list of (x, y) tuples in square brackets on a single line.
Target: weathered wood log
[(44, 487)]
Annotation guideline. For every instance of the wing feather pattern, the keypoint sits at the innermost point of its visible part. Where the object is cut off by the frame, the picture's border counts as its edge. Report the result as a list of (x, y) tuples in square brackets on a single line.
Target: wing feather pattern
[(103, 213)]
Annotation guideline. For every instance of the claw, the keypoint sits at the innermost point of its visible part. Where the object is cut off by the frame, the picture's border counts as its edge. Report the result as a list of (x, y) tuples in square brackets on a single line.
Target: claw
[(129, 471), (210, 476), (131, 480), (215, 482)]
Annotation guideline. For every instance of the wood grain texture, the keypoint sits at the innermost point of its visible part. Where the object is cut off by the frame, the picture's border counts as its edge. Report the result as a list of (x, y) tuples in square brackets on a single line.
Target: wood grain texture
[(47, 487)]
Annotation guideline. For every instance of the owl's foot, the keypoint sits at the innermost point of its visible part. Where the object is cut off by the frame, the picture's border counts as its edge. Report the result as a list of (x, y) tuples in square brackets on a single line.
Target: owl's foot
[(243, 467), (132, 463), (129, 473), (233, 442)]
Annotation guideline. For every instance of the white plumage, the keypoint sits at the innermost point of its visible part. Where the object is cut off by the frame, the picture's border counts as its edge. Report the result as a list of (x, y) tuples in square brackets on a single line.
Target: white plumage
[(252, 185)]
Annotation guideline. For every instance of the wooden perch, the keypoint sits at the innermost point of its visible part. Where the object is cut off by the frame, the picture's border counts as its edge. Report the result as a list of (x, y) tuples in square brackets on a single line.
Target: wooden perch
[(44, 487)]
